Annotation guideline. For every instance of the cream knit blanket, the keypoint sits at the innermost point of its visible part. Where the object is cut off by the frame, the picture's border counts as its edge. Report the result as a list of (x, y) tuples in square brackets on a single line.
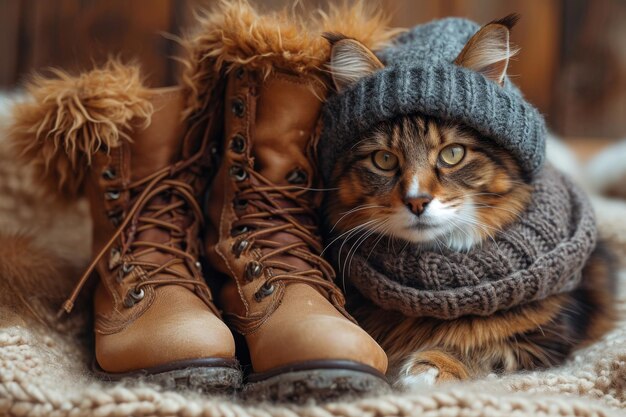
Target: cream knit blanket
[(44, 364)]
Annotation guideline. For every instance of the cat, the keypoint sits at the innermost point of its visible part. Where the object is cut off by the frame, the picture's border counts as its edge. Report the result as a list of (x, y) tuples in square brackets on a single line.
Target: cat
[(421, 180)]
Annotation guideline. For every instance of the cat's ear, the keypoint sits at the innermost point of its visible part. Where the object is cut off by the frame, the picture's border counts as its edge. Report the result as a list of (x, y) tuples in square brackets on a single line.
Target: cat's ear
[(489, 50), (350, 60)]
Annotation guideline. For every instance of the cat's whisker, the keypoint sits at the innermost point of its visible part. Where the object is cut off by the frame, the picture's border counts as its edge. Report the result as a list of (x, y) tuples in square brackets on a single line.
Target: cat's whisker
[(352, 252), (313, 189), (521, 183), (379, 229), (404, 247), (489, 206), (380, 237), (483, 227), (466, 195), (476, 222), (461, 229), (363, 232), (355, 231), (359, 207), (354, 210), (343, 234), (486, 228)]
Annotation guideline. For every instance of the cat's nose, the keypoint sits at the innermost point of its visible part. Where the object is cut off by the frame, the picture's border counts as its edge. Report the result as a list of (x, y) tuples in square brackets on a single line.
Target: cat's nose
[(418, 204)]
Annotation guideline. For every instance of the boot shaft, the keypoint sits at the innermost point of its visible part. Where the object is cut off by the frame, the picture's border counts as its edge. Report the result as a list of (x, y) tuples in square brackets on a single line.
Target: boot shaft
[(146, 151), (282, 127), (262, 216)]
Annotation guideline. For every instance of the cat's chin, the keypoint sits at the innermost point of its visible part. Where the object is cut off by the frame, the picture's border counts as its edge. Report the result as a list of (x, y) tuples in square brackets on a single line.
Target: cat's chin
[(438, 228), (436, 237)]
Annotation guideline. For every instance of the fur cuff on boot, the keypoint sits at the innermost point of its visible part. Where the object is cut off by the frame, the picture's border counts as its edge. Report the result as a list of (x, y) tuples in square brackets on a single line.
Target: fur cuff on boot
[(67, 119), (235, 33)]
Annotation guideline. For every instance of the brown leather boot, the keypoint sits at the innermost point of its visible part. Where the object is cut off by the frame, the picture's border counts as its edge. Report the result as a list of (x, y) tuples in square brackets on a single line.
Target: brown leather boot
[(153, 313), (262, 226), (263, 234)]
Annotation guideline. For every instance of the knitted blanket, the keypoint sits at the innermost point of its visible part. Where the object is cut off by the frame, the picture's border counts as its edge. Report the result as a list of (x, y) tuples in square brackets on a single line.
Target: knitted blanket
[(44, 363)]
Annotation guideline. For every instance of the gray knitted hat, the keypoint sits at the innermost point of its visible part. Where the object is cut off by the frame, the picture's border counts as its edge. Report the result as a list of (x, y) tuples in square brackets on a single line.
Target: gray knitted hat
[(420, 77)]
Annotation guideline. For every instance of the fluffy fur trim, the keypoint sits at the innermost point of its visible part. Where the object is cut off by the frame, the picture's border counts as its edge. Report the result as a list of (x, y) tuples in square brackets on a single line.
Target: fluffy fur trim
[(66, 119), (235, 33)]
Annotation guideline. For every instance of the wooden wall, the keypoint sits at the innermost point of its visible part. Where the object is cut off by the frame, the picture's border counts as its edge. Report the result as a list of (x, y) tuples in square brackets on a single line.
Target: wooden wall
[(572, 64), (73, 34)]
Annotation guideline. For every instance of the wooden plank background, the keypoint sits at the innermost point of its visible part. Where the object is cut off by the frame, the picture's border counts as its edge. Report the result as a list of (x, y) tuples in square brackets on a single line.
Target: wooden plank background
[(572, 65)]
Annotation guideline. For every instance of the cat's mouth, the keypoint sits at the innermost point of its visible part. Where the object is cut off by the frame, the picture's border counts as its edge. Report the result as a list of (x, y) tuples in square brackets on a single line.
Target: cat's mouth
[(422, 226)]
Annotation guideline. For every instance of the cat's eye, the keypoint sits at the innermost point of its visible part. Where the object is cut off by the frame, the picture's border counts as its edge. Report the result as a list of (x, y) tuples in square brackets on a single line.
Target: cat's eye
[(385, 160), (452, 155)]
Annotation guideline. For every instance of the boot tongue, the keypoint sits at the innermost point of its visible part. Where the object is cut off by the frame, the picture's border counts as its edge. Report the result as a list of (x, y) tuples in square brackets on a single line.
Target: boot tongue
[(287, 111), (158, 146), (160, 143)]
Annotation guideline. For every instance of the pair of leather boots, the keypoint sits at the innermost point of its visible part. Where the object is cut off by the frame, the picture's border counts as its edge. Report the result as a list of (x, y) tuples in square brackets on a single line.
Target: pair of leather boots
[(209, 183)]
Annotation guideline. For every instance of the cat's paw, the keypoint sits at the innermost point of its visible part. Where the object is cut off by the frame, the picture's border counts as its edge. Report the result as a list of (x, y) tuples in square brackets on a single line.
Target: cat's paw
[(429, 368), (411, 378)]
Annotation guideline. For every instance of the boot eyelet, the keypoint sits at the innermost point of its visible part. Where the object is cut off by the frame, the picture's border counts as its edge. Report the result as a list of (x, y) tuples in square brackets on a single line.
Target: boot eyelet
[(198, 265), (134, 296), (240, 204), (238, 173), (109, 174), (297, 176), (239, 73), (112, 194), (116, 220), (114, 257), (124, 271), (238, 143), (253, 270), (240, 246), (239, 230), (238, 107), (116, 217), (265, 290)]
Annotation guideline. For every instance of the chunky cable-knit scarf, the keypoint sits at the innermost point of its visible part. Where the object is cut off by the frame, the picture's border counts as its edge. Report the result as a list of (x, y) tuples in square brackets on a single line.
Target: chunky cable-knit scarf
[(541, 254)]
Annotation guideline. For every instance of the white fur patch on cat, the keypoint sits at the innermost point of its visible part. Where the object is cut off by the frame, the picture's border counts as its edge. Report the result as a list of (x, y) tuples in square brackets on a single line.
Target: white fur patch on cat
[(409, 381), (414, 188)]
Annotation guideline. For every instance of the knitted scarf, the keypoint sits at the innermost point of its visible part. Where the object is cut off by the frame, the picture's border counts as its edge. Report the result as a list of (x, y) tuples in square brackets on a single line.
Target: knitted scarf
[(542, 254)]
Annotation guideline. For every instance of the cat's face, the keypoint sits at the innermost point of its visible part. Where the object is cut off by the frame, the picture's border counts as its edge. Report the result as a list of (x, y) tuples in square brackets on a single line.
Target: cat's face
[(420, 179)]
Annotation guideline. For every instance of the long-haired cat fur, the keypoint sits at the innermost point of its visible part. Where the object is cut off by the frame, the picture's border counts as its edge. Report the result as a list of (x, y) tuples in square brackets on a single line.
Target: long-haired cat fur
[(465, 189)]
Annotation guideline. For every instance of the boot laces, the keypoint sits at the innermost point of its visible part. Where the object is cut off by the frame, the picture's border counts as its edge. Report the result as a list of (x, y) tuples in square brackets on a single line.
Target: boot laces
[(163, 200), (272, 217)]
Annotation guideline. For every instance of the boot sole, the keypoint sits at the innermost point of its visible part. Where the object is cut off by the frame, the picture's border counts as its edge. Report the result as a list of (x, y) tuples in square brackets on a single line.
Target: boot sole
[(317, 381), (210, 375)]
